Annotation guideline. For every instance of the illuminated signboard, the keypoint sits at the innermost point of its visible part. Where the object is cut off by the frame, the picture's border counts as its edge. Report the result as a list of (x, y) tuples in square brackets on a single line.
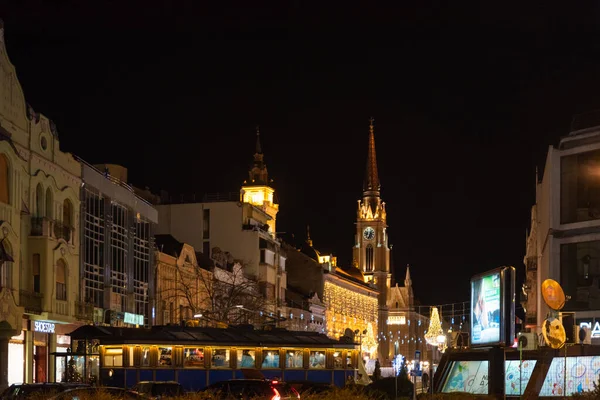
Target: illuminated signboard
[(44, 327), (595, 330), (493, 307), (396, 320), (582, 374), (134, 319), (467, 377)]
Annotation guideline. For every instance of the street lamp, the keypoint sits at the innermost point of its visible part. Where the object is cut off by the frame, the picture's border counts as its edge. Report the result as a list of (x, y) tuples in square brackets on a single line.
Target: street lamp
[(358, 332)]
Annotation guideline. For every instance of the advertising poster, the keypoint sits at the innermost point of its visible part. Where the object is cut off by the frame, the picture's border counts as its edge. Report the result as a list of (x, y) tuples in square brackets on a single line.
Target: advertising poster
[(581, 376), (467, 377), (485, 309)]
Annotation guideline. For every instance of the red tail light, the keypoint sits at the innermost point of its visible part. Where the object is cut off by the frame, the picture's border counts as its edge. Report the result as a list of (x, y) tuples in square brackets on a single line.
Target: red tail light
[(276, 396), (295, 392)]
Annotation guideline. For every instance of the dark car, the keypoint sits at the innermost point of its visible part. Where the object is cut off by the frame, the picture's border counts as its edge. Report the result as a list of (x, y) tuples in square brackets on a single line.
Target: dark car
[(157, 389), (245, 389), (25, 390), (306, 387), (95, 392)]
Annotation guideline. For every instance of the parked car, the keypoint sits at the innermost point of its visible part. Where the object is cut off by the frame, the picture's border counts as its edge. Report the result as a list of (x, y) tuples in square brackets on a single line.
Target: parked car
[(94, 392), (157, 390), (245, 389), (306, 387), (24, 390)]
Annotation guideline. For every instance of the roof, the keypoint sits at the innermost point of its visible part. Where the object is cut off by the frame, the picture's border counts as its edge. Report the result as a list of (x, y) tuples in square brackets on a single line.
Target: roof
[(167, 244), (241, 336)]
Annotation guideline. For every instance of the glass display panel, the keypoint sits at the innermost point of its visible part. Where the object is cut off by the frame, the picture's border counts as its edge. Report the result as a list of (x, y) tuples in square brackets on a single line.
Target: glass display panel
[(294, 359), (338, 362), (512, 386), (270, 359), (220, 358), (317, 359), (246, 358), (467, 376), (485, 309), (582, 373), (193, 357), (164, 356)]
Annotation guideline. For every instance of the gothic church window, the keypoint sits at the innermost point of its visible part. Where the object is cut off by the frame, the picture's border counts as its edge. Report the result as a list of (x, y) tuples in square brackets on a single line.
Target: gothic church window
[(49, 204), (369, 259)]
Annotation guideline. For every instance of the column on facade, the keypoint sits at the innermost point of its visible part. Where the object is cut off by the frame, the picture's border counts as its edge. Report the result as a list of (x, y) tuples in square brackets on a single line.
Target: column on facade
[(28, 356), (50, 376)]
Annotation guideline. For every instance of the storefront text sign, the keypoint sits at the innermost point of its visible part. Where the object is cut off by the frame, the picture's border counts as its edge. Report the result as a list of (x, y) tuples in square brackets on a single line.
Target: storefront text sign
[(595, 330), (44, 327), (134, 319)]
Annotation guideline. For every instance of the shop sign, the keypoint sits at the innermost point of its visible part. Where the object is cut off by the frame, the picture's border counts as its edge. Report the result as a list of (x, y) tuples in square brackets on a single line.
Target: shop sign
[(595, 330), (134, 319), (44, 327)]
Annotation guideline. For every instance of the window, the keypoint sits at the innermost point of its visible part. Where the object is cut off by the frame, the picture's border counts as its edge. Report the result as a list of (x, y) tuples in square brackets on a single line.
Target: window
[(294, 359), (119, 249), (6, 267), (145, 357), (61, 287), (164, 356), (206, 224), (49, 204), (67, 213), (262, 256), (4, 180), (338, 362), (579, 274), (580, 187), (39, 200), (246, 358), (113, 357), (270, 359), (36, 273), (193, 357), (220, 358), (317, 359), (94, 241), (141, 267), (369, 259)]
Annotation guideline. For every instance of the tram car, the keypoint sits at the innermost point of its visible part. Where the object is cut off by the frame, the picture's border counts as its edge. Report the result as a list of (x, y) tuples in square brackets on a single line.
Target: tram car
[(198, 356)]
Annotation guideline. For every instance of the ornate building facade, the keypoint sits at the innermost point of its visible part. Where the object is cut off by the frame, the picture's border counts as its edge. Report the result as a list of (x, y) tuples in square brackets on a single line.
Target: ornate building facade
[(39, 242)]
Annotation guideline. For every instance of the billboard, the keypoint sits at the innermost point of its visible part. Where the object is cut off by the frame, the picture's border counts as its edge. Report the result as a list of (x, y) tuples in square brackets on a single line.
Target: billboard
[(493, 307)]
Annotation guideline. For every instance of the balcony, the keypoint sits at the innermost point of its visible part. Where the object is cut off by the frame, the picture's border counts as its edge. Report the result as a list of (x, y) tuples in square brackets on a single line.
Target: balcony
[(61, 307), (62, 231), (41, 226), (31, 301), (84, 311)]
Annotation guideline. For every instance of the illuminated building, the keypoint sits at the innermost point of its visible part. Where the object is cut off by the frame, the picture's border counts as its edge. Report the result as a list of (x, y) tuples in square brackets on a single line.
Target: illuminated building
[(564, 239), (241, 223), (117, 253), (39, 235), (181, 284)]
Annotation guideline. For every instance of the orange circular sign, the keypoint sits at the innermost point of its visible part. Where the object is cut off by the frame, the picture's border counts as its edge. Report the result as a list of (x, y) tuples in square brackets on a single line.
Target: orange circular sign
[(553, 294)]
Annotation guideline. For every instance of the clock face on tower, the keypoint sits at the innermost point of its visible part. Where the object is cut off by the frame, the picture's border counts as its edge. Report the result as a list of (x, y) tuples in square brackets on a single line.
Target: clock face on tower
[(369, 233)]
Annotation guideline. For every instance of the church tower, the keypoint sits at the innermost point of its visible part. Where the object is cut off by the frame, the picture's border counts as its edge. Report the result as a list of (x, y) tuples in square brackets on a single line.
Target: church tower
[(371, 251), (256, 190)]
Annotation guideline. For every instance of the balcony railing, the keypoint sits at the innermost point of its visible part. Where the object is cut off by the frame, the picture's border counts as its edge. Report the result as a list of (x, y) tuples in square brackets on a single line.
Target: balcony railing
[(62, 231), (31, 301), (61, 307), (84, 311)]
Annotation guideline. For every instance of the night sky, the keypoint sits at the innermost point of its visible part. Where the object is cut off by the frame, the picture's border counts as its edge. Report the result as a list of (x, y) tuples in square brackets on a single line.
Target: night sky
[(466, 101)]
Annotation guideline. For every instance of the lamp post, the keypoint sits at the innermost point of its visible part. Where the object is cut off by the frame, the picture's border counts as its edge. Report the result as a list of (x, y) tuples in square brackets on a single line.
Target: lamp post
[(360, 333)]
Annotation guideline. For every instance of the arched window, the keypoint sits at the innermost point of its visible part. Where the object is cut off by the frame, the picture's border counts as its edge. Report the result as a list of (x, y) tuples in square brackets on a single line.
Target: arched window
[(39, 200), (61, 280), (4, 180), (67, 213), (369, 259), (49, 204), (6, 264)]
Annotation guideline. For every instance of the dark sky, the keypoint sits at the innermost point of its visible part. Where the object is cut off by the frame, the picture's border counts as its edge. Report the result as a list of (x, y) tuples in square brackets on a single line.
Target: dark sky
[(465, 99)]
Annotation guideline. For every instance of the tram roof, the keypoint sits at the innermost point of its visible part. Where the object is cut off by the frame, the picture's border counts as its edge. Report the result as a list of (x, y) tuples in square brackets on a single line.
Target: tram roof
[(181, 335)]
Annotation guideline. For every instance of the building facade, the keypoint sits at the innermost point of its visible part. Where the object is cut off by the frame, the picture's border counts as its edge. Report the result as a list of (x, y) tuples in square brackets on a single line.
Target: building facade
[(117, 249), (564, 240), (243, 224), (39, 227)]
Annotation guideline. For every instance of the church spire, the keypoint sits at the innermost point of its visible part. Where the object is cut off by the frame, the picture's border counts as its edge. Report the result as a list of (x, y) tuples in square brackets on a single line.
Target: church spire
[(407, 280), (371, 183), (258, 146)]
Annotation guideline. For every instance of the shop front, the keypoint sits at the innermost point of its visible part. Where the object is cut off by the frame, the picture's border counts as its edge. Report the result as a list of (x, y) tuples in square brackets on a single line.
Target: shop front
[(30, 353)]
